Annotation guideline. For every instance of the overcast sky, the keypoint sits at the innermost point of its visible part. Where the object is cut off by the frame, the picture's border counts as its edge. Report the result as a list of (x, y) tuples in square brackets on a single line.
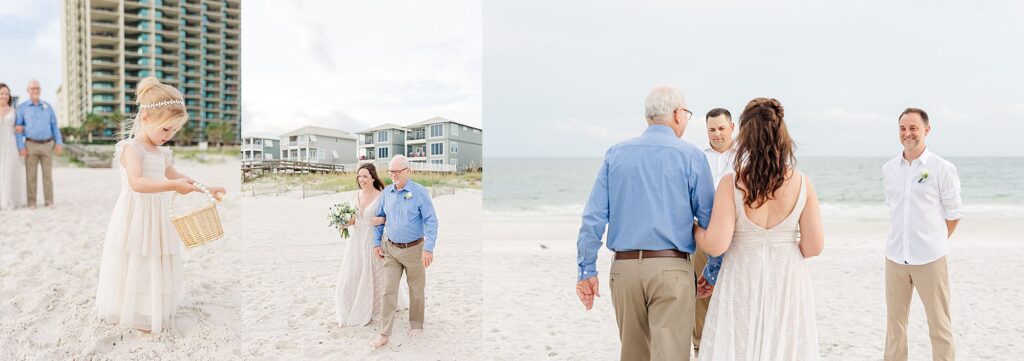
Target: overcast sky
[(30, 47), (348, 65), (356, 64), (571, 76)]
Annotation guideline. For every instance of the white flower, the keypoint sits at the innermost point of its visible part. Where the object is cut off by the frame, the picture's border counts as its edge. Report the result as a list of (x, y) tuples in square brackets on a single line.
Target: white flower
[(408, 195), (923, 177)]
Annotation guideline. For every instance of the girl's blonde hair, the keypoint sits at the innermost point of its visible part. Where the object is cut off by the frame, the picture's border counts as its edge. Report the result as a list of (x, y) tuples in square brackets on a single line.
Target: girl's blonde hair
[(169, 110)]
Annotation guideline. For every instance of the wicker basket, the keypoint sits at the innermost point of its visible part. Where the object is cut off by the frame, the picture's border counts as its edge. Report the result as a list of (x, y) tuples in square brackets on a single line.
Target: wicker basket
[(200, 226)]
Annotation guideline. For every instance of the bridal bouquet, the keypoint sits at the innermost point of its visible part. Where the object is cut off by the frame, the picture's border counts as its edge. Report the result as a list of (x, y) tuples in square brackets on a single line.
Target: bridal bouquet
[(340, 215)]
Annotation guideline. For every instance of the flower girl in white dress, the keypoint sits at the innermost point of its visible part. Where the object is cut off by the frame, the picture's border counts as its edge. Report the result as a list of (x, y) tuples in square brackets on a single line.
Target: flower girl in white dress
[(140, 282)]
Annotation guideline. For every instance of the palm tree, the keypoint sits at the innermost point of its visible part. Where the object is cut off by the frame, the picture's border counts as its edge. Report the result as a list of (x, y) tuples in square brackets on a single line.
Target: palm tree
[(229, 134), (215, 132), (92, 123), (186, 133)]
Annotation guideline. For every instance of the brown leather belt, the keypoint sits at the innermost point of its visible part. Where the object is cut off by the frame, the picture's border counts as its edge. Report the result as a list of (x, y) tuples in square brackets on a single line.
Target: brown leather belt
[(651, 254), (38, 141), (407, 245)]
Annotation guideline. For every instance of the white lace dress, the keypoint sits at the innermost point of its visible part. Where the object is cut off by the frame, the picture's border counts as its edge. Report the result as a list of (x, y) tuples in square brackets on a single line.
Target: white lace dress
[(13, 191), (358, 294), (140, 282), (763, 308)]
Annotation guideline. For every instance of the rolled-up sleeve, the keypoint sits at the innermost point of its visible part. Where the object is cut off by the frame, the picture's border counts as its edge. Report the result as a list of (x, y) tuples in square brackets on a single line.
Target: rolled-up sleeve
[(378, 231), (949, 193)]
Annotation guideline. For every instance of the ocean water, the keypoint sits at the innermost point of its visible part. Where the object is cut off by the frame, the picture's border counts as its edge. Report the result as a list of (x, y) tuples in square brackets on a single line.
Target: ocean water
[(538, 187)]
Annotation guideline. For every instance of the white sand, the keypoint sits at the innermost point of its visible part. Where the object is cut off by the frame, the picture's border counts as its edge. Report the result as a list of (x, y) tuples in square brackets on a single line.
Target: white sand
[(291, 265), (532, 313), (49, 263)]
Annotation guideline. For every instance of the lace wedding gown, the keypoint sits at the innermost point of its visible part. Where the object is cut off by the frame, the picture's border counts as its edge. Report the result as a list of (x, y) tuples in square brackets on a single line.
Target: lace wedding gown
[(13, 191), (358, 296)]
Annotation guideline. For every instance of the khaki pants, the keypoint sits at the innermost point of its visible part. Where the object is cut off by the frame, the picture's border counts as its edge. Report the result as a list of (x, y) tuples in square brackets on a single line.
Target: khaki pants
[(653, 300), (932, 283), (39, 154), (700, 259), (397, 260)]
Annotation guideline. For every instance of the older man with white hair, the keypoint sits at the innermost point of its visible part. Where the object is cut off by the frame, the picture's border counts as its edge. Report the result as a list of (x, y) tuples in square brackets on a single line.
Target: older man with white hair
[(411, 229), (647, 193), (38, 138)]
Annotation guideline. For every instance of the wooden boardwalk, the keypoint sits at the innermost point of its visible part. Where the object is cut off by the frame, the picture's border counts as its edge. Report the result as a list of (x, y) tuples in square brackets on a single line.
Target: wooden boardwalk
[(253, 169)]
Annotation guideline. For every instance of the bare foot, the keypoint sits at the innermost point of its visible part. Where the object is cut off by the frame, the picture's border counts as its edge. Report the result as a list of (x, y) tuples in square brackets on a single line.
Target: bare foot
[(379, 342), (415, 332)]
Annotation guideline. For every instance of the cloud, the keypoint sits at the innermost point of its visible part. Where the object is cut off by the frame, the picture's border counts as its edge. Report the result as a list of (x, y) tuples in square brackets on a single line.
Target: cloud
[(361, 61), (595, 129)]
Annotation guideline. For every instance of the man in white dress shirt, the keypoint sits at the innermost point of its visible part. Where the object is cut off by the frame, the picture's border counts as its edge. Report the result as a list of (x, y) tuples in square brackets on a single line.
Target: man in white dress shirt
[(721, 155), (923, 194)]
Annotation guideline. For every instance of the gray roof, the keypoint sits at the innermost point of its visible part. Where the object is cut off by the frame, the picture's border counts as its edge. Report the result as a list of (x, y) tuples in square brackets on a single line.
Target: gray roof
[(436, 120), (382, 127), (328, 132)]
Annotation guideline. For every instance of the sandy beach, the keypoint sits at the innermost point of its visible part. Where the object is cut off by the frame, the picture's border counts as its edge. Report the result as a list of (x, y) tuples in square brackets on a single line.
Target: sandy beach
[(49, 263), (290, 269), (532, 312)]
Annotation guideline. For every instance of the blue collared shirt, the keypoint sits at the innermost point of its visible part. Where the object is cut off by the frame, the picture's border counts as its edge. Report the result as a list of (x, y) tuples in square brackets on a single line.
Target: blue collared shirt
[(410, 216), (40, 123), (647, 193)]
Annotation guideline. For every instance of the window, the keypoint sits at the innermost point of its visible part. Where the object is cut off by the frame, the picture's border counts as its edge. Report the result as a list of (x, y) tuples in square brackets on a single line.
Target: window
[(437, 130), (437, 161), (382, 136), (455, 129), (454, 162), (455, 148), (270, 143), (383, 153), (436, 148)]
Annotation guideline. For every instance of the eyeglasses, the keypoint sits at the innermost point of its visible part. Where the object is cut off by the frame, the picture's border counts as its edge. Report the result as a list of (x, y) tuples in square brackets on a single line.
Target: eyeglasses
[(689, 114), (398, 171)]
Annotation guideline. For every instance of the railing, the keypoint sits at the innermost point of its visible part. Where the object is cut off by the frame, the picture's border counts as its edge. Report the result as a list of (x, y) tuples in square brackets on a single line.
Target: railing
[(430, 167)]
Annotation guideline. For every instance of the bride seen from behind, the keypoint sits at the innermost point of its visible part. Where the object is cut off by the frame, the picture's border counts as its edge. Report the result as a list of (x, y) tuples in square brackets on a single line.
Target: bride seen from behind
[(766, 221)]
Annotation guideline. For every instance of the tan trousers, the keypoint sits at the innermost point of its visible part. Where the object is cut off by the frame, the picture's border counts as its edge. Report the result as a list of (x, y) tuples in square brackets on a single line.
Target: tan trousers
[(932, 283), (39, 154), (396, 261), (653, 300), (700, 259)]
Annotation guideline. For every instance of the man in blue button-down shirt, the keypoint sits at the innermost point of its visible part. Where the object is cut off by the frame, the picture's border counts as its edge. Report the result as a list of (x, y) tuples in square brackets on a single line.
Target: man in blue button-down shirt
[(411, 229), (648, 192), (38, 137)]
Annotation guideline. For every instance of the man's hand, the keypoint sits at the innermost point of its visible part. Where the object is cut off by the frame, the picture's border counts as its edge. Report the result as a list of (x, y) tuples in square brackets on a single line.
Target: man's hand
[(24, 153), (586, 290), (704, 289), (379, 252), (427, 258), (58, 148), (19, 129)]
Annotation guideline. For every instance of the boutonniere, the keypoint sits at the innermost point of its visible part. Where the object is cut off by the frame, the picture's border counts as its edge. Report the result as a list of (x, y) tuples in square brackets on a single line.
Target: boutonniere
[(44, 106), (923, 177), (408, 195)]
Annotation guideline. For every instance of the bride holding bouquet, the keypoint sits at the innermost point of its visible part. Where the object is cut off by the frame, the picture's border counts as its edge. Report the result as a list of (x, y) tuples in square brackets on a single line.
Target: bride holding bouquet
[(361, 280)]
